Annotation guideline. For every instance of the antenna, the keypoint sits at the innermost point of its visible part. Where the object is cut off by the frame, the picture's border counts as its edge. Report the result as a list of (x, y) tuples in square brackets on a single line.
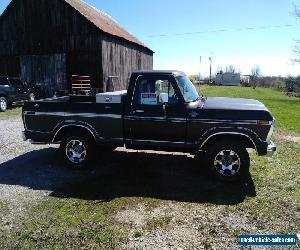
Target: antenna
[(210, 62)]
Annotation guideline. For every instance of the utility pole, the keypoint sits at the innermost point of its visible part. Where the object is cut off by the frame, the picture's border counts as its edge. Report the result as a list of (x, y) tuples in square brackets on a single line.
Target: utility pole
[(210, 60), (200, 68)]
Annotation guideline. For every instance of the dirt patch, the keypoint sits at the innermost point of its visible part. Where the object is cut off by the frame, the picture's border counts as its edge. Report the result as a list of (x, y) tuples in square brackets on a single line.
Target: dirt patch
[(280, 134), (292, 138), (195, 226)]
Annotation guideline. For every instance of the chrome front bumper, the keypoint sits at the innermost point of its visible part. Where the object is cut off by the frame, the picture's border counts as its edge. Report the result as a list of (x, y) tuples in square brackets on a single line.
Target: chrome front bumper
[(271, 149)]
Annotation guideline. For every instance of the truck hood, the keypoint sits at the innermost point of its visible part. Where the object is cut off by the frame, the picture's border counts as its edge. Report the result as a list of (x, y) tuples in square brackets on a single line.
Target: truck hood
[(223, 108), (225, 103)]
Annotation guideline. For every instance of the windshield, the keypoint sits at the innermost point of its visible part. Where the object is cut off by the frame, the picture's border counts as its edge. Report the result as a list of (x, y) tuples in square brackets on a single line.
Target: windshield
[(187, 89)]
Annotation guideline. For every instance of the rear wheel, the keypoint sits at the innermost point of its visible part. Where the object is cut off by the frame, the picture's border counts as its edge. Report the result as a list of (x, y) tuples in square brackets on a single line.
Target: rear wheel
[(228, 161), (77, 150), (3, 104)]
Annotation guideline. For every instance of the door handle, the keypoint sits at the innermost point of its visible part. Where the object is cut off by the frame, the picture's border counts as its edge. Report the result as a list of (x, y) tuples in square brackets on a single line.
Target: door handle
[(36, 105), (139, 111), (165, 109)]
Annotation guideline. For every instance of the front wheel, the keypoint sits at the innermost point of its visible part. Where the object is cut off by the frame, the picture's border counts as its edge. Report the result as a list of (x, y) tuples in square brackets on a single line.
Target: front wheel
[(77, 150), (228, 161), (3, 104)]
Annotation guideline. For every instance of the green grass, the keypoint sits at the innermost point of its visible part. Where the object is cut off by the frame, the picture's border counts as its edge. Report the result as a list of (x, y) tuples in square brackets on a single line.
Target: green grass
[(277, 181), (71, 223), (285, 109), (3, 207), (11, 112), (162, 222)]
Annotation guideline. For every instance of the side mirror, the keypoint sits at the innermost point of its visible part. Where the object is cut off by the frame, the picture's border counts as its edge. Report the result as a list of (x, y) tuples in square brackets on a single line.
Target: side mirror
[(163, 98)]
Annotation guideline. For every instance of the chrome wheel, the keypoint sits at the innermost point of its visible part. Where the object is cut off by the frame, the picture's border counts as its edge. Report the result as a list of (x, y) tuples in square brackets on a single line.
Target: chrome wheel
[(227, 163), (76, 151), (3, 104)]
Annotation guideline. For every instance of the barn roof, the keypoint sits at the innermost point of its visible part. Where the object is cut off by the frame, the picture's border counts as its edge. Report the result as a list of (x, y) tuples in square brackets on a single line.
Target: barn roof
[(101, 20)]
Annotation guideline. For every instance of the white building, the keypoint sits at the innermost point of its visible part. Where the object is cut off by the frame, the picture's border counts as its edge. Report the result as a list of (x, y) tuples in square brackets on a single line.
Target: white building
[(228, 79)]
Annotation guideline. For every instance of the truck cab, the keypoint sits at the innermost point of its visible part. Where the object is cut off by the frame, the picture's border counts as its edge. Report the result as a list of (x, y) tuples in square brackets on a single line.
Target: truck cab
[(157, 112)]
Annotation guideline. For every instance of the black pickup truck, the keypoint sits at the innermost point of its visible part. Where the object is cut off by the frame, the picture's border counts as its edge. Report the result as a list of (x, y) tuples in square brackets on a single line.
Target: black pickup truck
[(13, 90), (161, 110)]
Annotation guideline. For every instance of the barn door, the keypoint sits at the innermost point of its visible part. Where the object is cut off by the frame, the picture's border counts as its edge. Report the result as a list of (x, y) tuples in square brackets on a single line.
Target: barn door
[(47, 72), (85, 64)]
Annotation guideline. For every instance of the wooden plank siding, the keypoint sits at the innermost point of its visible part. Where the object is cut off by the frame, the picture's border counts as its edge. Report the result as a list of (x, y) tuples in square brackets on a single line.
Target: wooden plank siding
[(121, 59), (9, 66), (51, 27), (47, 70)]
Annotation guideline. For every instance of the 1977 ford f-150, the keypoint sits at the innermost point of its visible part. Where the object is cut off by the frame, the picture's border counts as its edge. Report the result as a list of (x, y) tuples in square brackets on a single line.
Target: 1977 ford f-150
[(160, 111)]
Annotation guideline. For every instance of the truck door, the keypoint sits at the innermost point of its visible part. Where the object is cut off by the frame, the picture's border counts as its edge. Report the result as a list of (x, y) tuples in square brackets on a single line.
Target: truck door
[(152, 122)]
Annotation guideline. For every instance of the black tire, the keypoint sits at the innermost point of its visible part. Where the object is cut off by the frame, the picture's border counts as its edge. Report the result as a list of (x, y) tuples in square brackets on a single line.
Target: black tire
[(77, 150), (228, 161), (3, 104)]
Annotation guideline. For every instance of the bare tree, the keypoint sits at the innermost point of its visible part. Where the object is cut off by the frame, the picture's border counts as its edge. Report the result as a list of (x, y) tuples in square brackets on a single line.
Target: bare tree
[(230, 68), (256, 71), (297, 46), (255, 74), (219, 69)]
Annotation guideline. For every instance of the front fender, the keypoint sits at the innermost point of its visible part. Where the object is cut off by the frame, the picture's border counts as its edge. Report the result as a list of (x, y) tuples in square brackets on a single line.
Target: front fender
[(259, 145)]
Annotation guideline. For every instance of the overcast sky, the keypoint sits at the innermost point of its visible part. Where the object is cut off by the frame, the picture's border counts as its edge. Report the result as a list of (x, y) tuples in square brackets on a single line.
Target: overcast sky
[(242, 33)]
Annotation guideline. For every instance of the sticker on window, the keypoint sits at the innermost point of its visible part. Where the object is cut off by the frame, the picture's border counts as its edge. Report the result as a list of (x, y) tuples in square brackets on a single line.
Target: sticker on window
[(148, 99)]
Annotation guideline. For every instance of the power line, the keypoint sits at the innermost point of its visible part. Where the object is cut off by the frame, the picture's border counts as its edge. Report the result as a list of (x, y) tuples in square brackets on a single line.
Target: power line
[(224, 30)]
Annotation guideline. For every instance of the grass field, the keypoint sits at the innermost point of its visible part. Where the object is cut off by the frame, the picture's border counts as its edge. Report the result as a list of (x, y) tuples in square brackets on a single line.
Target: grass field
[(86, 214), (11, 112)]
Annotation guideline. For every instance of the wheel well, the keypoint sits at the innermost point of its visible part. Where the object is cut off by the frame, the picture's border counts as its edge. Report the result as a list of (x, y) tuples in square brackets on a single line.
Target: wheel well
[(2, 95), (243, 139), (72, 129)]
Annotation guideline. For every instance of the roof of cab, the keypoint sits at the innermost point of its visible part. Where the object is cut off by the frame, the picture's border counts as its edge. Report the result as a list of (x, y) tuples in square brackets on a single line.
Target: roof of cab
[(166, 72)]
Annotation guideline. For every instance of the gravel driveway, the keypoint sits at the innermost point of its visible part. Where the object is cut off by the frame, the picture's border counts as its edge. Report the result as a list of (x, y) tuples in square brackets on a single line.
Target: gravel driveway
[(27, 172)]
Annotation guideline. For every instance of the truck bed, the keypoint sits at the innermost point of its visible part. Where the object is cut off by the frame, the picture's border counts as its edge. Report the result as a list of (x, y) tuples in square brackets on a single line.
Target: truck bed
[(45, 117)]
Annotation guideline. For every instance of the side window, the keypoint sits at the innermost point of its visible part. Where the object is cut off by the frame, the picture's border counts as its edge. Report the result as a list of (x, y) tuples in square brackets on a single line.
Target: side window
[(17, 83), (3, 81), (152, 91)]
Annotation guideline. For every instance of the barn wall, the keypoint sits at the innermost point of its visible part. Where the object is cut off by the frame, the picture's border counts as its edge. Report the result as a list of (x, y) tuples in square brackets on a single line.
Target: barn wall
[(45, 27), (49, 71), (48, 27), (10, 66), (120, 59)]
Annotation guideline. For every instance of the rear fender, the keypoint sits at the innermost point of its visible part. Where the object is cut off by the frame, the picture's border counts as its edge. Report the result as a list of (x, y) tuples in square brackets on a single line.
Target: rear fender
[(65, 126)]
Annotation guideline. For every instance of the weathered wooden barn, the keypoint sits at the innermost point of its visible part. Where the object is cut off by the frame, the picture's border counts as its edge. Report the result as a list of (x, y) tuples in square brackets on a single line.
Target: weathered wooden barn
[(46, 41)]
